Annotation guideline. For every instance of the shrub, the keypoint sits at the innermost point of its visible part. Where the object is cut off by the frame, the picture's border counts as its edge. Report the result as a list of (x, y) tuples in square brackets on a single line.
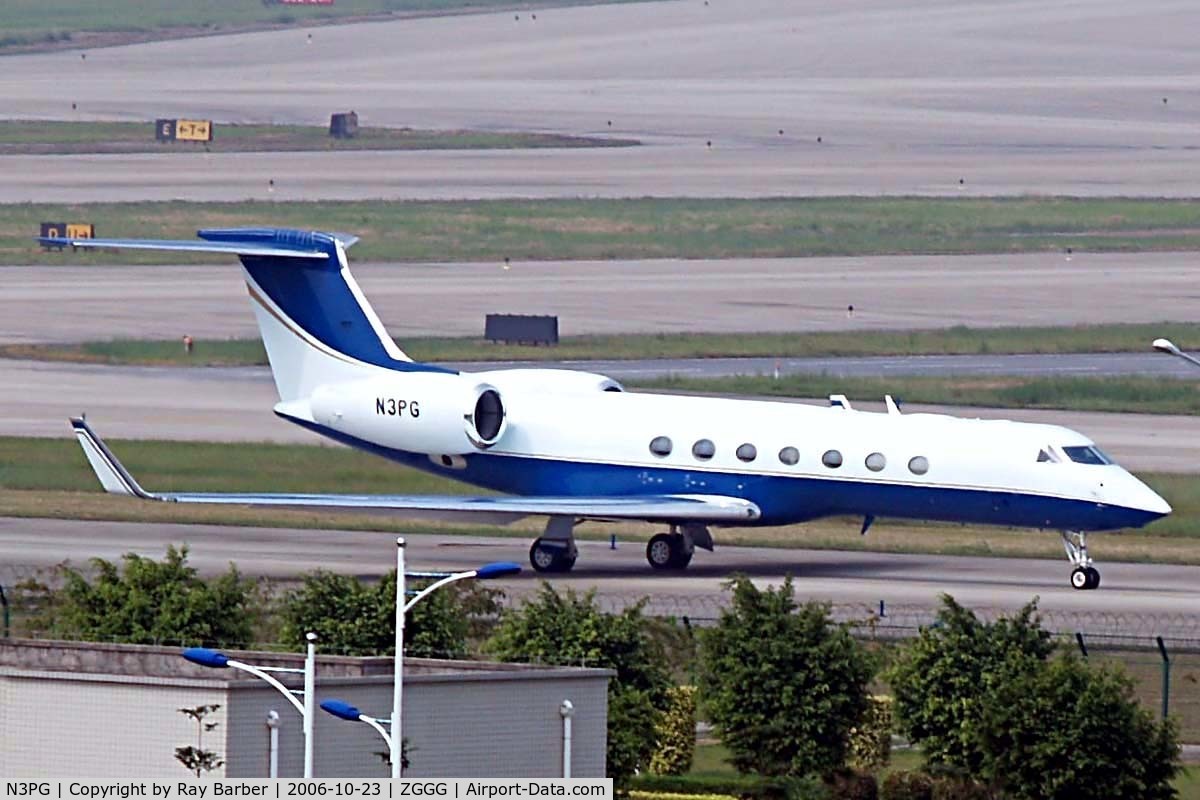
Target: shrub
[(783, 684), (870, 746), (941, 677), (847, 784), (906, 785), (676, 733)]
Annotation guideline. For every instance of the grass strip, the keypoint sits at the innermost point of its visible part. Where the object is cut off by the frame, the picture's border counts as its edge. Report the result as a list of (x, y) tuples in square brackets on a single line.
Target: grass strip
[(1139, 395), (647, 228), (39, 137), (51, 478), (31, 25), (958, 340)]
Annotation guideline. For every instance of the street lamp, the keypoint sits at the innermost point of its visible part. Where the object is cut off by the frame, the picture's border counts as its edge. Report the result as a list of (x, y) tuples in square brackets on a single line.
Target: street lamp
[(343, 710), (217, 660), (1168, 347)]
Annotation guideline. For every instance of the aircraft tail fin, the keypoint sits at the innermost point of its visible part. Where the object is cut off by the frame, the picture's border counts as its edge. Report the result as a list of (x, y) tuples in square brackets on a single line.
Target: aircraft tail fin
[(315, 322)]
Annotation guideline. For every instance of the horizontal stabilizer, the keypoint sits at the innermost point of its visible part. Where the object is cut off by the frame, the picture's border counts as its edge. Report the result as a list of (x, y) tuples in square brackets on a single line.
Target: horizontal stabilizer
[(501, 510), (232, 248)]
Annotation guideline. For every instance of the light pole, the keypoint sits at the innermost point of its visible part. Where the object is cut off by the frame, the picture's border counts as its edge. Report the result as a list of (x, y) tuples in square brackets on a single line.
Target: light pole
[(343, 710), (1167, 346), (217, 660)]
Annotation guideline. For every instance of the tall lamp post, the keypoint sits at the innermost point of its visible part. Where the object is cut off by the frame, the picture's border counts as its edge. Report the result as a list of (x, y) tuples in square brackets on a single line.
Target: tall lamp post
[(218, 660), (1167, 346), (343, 710)]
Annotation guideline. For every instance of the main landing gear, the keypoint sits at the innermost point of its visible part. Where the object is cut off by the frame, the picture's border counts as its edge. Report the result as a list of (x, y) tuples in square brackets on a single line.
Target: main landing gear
[(1084, 575), (674, 550), (554, 551)]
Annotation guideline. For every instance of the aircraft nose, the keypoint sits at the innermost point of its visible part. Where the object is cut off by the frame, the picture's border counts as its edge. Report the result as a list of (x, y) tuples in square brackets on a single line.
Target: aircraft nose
[(1137, 495)]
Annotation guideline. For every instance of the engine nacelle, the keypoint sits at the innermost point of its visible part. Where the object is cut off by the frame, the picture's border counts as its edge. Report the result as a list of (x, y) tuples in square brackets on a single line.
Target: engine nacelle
[(419, 412), (538, 379)]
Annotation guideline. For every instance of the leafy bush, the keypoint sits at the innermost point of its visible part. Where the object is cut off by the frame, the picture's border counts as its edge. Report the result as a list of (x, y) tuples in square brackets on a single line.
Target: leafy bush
[(959, 789), (906, 785), (569, 628), (1072, 731), (354, 617), (676, 733), (144, 601), (941, 677), (871, 739), (847, 784), (751, 787), (782, 683)]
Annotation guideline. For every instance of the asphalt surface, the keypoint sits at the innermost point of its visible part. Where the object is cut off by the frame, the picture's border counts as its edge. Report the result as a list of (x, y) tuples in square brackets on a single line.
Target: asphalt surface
[(936, 97), (1139, 600), (234, 404), (73, 304)]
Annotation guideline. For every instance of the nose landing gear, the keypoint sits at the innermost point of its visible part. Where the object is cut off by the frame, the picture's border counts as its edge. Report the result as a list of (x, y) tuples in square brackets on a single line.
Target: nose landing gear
[(1084, 575)]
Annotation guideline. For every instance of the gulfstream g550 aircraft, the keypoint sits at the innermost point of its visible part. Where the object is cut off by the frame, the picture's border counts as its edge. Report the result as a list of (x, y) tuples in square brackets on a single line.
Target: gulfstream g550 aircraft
[(572, 446)]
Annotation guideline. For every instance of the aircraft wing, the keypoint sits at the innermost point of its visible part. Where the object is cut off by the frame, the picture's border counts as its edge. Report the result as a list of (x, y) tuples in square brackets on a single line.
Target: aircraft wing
[(493, 510)]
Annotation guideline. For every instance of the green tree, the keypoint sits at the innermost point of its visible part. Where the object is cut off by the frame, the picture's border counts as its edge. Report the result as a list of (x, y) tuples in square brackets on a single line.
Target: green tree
[(144, 601), (941, 678), (195, 758), (782, 683), (1065, 730), (569, 628), (354, 617)]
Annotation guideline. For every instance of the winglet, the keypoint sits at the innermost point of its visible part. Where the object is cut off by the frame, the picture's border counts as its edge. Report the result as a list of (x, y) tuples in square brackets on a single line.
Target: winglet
[(112, 474)]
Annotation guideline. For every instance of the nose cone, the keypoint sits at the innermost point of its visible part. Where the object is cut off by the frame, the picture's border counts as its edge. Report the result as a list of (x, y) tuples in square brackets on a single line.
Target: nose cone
[(1143, 504)]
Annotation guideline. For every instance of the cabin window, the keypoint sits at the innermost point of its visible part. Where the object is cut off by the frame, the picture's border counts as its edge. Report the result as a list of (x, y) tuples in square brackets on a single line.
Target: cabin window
[(918, 465), (832, 459), (660, 446), (1087, 455), (876, 461), (704, 449), (747, 452), (789, 456)]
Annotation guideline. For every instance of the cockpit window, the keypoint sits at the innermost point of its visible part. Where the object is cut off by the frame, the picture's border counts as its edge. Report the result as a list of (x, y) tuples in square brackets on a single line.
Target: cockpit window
[(1088, 454), (1046, 455)]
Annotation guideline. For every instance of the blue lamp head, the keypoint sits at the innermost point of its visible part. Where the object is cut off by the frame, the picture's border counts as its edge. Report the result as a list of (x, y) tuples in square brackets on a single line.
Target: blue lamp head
[(341, 709), (497, 569), (206, 658)]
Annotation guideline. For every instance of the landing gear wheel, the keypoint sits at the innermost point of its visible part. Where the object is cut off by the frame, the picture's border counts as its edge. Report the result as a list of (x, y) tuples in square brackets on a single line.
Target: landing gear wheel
[(669, 551), (1080, 579), (551, 557), (1093, 578)]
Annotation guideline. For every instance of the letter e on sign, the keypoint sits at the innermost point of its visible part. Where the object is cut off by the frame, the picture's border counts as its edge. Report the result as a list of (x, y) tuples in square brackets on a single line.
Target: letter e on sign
[(81, 230)]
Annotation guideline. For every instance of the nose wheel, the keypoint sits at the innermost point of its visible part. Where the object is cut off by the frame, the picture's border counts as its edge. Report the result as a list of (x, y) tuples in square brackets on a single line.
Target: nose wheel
[(1084, 575)]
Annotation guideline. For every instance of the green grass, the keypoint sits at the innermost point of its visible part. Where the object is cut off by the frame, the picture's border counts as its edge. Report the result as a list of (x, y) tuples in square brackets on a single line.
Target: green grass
[(38, 24), (1114, 394), (958, 340), (45, 138), (492, 230)]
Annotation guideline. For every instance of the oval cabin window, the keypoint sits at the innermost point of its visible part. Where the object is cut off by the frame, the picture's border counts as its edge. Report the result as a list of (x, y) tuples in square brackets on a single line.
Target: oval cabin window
[(704, 449), (747, 452), (918, 465), (875, 462), (832, 459), (660, 446), (789, 456)]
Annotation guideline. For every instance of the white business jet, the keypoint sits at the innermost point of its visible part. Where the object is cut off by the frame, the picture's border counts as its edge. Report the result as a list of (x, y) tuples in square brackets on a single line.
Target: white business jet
[(572, 446)]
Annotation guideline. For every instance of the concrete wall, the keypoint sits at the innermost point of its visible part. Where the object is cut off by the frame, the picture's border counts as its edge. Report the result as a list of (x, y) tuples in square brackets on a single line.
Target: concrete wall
[(461, 719), (55, 724)]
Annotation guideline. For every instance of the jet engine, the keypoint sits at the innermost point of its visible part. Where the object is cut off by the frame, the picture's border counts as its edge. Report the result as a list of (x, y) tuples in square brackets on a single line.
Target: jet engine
[(418, 412)]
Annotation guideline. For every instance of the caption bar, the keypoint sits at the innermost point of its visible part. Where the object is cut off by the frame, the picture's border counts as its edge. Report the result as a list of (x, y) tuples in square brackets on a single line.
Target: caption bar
[(450, 789)]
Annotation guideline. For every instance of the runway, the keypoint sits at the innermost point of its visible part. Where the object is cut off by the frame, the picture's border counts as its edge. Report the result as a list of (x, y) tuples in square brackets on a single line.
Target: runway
[(730, 99), (234, 405), (74, 304), (1139, 600)]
